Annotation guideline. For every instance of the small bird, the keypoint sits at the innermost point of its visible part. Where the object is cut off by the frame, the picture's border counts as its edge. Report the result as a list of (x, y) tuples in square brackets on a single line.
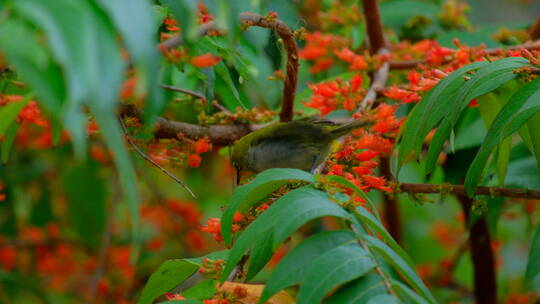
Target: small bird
[(302, 144)]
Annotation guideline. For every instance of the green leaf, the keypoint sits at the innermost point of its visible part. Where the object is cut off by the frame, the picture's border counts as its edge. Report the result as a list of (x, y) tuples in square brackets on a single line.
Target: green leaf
[(405, 292), (383, 299), (169, 275), (223, 74), (86, 194), (73, 48), (376, 226), (515, 113), (216, 255), (283, 217), (113, 138), (9, 112), (292, 267), (203, 290), (407, 272), (486, 79), (7, 143), (135, 21), (347, 183), (22, 49), (337, 266), (249, 195), (533, 263), (489, 107), (359, 291), (430, 110), (534, 132)]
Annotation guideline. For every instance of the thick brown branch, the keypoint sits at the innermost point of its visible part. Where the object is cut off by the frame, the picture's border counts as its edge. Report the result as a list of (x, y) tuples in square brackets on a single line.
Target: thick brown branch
[(460, 190), (410, 64), (221, 135), (284, 32), (291, 77), (374, 26), (485, 277), (534, 32)]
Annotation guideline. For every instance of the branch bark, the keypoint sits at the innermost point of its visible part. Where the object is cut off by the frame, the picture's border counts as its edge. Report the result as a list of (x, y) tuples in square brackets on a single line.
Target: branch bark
[(460, 190), (374, 26), (284, 32), (485, 277), (534, 32), (221, 135)]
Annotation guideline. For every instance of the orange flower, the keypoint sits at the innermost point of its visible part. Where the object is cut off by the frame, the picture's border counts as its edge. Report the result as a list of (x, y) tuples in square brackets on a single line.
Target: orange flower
[(194, 160), (206, 60), (202, 145)]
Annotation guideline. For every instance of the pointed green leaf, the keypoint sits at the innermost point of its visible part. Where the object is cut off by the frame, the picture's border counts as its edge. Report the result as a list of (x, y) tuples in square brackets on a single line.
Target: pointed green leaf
[(430, 110), (9, 139), (169, 275), (9, 112), (408, 273), (405, 292), (486, 79), (337, 266), (489, 107), (515, 113), (249, 195), (533, 263), (283, 217), (376, 226), (292, 267), (359, 291)]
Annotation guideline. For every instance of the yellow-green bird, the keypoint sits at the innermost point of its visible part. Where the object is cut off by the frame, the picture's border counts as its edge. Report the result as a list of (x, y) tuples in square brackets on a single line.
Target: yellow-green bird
[(302, 144)]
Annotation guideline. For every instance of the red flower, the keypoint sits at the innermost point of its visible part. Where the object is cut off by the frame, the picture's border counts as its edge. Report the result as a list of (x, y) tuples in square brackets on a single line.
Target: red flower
[(194, 160), (202, 145), (206, 60)]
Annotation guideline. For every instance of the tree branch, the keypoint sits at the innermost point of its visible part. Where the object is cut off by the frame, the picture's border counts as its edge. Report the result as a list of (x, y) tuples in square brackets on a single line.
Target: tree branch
[(184, 91), (410, 64), (460, 190), (485, 277), (379, 81), (284, 32), (291, 77), (222, 135), (374, 26), (534, 32)]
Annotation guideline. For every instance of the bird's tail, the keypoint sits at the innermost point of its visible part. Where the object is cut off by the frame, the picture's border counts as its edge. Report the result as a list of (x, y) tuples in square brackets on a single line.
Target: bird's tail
[(349, 127)]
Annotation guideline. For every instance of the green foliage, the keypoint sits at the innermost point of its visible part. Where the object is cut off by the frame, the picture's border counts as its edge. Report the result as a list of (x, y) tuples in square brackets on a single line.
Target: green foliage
[(86, 194), (343, 259), (442, 106)]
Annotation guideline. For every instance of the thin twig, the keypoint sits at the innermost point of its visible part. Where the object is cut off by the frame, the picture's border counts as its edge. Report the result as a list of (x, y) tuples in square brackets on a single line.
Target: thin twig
[(220, 107), (147, 158), (185, 91), (460, 190), (379, 82)]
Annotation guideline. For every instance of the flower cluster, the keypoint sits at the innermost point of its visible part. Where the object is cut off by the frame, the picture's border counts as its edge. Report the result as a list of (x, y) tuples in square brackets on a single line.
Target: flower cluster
[(329, 96), (175, 217), (359, 154), (213, 226)]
